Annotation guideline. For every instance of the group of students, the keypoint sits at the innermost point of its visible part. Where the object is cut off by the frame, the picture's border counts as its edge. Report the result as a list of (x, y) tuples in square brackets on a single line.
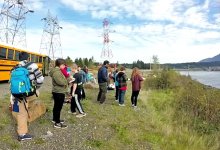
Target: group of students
[(62, 80), (120, 81)]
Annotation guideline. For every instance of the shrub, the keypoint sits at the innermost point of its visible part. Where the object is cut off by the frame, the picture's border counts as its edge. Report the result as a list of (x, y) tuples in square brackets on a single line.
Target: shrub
[(166, 79), (198, 101)]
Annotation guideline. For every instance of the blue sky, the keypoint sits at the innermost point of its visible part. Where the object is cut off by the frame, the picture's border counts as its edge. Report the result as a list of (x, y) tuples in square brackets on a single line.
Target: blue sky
[(174, 30)]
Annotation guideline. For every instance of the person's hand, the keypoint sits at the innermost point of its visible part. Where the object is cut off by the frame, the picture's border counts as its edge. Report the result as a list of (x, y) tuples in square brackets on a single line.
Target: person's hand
[(73, 94), (72, 80)]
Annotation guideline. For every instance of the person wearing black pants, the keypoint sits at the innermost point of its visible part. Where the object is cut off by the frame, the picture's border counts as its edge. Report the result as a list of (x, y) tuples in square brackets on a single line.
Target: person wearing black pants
[(59, 89)]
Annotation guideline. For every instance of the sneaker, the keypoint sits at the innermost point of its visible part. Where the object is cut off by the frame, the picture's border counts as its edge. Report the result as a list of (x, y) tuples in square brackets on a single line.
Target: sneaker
[(121, 104), (132, 105), (66, 101), (60, 125), (24, 137), (70, 112), (61, 121), (81, 115), (116, 100)]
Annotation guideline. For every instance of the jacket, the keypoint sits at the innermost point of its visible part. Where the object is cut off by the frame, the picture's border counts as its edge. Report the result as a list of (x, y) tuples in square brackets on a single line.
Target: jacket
[(122, 79), (59, 82), (102, 75), (136, 82)]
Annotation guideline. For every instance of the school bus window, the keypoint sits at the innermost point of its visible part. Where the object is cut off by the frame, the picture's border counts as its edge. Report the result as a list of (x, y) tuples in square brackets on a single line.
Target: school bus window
[(37, 57), (17, 55), (32, 58), (2, 52), (29, 56), (40, 59), (10, 54)]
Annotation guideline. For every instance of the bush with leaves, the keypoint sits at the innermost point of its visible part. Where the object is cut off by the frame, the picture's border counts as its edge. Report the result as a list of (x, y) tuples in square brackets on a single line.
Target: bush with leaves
[(198, 101)]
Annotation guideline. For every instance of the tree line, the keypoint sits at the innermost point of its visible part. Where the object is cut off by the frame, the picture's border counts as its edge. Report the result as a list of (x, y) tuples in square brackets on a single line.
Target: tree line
[(81, 61)]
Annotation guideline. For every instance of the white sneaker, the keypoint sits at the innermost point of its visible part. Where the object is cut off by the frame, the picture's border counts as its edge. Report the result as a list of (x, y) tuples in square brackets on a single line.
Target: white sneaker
[(70, 112), (81, 115), (121, 104), (132, 105)]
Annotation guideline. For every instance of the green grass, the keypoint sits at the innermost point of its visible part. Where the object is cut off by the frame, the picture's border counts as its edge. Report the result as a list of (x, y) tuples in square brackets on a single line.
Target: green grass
[(169, 132), (151, 126)]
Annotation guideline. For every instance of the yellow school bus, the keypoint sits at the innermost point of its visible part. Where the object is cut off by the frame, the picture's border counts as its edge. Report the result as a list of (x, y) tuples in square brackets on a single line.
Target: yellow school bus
[(9, 57)]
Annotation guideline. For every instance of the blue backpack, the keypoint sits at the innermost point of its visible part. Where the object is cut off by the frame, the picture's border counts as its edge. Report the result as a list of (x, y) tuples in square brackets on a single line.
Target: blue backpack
[(20, 84)]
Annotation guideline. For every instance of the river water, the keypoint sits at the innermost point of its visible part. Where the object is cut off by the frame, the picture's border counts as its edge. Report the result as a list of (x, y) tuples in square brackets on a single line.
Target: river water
[(211, 78)]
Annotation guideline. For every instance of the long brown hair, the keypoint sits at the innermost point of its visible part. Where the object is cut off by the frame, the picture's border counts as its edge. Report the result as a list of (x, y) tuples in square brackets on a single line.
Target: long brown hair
[(135, 72)]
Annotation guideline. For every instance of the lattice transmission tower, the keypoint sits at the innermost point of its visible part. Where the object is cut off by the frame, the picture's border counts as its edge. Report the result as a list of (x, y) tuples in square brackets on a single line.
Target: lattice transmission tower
[(12, 23), (50, 41), (106, 51)]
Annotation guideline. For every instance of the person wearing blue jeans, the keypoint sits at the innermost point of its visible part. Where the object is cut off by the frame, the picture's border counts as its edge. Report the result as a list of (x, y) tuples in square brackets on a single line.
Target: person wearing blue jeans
[(121, 97), (122, 85)]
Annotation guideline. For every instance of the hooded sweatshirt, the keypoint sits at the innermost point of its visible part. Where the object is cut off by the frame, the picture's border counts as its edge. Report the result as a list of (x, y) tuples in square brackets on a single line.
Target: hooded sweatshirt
[(122, 80), (59, 81)]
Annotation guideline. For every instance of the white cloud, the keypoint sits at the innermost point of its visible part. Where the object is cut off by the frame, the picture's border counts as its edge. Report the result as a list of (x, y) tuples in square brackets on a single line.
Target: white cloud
[(35, 4), (186, 36), (169, 43), (217, 18)]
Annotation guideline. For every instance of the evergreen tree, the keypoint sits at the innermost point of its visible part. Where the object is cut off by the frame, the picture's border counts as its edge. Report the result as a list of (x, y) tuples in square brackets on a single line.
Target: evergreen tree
[(91, 62), (80, 63), (86, 62), (77, 61), (69, 61)]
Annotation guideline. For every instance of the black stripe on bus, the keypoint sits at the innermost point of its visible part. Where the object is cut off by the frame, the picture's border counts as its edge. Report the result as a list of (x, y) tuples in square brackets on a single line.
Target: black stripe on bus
[(5, 70), (8, 65)]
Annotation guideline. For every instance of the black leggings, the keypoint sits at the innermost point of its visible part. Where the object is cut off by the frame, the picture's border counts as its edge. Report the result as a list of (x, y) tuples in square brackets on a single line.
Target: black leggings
[(134, 97), (58, 104)]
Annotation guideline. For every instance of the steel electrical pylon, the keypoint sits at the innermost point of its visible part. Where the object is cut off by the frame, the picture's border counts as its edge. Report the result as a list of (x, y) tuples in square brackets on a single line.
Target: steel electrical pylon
[(50, 41), (106, 51), (12, 23)]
